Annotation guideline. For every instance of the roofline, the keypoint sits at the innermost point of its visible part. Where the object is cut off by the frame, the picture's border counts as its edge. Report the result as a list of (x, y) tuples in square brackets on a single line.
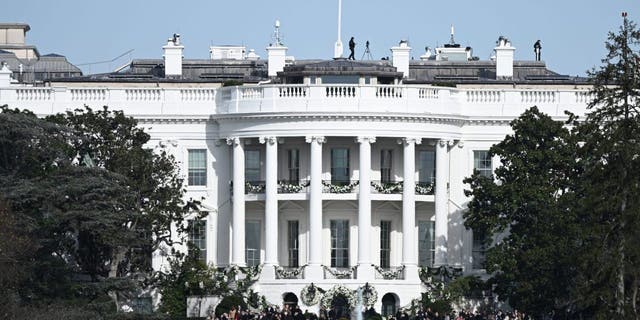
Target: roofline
[(16, 25)]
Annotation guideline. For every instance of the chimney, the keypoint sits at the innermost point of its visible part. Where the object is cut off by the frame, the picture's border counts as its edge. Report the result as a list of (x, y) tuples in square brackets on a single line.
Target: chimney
[(400, 56), (5, 75), (276, 53), (504, 59), (172, 54), (276, 59)]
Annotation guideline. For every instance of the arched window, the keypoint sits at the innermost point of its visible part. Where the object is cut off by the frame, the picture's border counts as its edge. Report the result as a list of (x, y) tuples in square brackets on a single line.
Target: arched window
[(388, 305)]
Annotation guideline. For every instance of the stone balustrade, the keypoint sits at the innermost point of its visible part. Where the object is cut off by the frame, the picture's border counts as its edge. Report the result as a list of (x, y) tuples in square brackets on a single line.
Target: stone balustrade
[(397, 99)]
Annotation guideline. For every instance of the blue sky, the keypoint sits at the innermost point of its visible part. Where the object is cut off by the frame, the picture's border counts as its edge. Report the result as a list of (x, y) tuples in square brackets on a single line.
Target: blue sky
[(572, 32)]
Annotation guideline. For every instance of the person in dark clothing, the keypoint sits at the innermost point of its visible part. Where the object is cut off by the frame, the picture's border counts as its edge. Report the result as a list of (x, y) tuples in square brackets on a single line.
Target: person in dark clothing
[(537, 49), (352, 48)]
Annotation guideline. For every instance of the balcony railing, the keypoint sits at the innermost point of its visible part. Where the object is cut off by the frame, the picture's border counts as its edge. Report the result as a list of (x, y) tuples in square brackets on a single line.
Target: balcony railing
[(387, 187), (332, 186), (301, 98), (290, 272), (293, 186), (339, 273), (396, 273), (338, 187)]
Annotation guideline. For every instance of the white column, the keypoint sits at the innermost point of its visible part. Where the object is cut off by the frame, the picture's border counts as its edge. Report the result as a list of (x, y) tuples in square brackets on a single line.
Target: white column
[(314, 268), (365, 270), (441, 195), (237, 246), (271, 207), (409, 259)]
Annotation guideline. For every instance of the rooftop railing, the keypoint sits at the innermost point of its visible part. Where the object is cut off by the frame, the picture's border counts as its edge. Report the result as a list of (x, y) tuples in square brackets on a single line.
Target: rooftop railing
[(412, 99)]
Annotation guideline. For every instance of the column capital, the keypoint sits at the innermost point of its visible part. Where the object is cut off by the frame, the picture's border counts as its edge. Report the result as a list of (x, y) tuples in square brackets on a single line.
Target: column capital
[(318, 139), (410, 140), (363, 139), (460, 144), (233, 141), (270, 139), (445, 142)]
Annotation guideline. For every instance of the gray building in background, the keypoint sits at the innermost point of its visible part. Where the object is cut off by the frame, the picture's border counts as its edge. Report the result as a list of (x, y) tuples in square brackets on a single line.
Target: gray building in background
[(26, 62)]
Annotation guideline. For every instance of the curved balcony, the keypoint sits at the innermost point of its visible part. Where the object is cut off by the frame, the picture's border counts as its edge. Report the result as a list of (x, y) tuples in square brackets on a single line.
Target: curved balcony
[(410, 99)]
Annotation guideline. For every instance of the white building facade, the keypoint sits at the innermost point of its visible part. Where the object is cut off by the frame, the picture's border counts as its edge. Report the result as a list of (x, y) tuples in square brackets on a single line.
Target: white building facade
[(342, 179)]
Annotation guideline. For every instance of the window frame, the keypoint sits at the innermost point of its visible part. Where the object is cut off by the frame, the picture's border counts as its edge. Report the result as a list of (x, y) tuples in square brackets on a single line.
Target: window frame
[(385, 243), (196, 176), (252, 174), (339, 243), (426, 173), (346, 171), (426, 246), (293, 243), (480, 160), (293, 165), (255, 259), (198, 237), (386, 169)]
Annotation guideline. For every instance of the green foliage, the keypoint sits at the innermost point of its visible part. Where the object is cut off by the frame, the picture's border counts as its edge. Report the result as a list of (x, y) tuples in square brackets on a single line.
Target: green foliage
[(530, 199), (442, 306), (189, 276), (230, 301), (87, 202), (469, 287), (609, 277), (566, 201)]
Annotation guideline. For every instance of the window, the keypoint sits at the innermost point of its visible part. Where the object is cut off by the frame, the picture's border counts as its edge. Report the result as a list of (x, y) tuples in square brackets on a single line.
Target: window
[(385, 244), (386, 158), (340, 166), (426, 167), (340, 243), (294, 166), (198, 237), (478, 250), (252, 165), (426, 243), (482, 163), (198, 167), (252, 242), (292, 243)]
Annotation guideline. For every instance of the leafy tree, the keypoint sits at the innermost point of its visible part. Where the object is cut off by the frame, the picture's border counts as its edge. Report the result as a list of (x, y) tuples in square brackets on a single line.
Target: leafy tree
[(567, 201), (610, 277), (92, 201), (114, 142), (530, 201)]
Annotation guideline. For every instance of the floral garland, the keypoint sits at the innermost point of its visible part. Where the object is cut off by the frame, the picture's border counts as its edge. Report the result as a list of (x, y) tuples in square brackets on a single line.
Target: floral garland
[(387, 188), (251, 273), (285, 187), (348, 188), (310, 295), (369, 295), (295, 273), (389, 274), (337, 290), (424, 189), (254, 188)]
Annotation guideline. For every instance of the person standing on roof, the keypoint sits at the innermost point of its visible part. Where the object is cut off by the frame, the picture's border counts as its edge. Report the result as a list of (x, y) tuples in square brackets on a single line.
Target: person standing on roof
[(352, 47)]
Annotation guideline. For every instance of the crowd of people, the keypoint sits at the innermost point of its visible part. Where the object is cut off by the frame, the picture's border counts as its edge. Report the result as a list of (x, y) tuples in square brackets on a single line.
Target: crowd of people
[(293, 312)]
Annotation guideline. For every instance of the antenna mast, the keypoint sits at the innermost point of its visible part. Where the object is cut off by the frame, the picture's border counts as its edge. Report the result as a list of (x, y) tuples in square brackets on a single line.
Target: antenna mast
[(452, 41), (337, 51)]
